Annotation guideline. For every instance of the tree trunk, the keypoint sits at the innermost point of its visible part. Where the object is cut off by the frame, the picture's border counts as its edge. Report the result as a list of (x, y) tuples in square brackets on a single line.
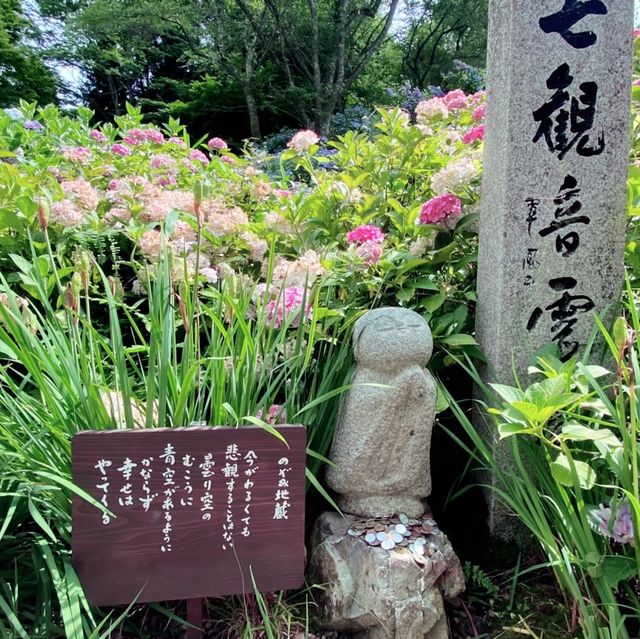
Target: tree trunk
[(252, 108)]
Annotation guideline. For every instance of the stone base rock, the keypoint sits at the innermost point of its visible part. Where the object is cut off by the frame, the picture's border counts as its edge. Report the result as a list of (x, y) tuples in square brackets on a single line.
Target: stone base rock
[(378, 594)]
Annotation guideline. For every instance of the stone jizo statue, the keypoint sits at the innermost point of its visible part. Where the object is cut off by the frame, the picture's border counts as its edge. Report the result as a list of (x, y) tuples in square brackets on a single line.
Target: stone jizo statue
[(382, 443)]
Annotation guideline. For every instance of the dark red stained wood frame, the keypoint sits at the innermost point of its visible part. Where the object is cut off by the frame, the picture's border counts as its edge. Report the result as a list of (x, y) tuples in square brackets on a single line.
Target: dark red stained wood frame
[(122, 560)]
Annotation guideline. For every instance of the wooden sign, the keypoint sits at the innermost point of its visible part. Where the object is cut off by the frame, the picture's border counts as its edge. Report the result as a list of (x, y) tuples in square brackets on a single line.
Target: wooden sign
[(197, 512)]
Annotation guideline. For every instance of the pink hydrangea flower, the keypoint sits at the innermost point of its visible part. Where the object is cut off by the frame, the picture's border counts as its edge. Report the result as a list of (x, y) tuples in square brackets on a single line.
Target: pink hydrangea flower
[(198, 156), (78, 154), (430, 109), (120, 149), (168, 180), (177, 141), (365, 233), (99, 136), (303, 140), (153, 135), (480, 112), (455, 100), (477, 133), (636, 33), (288, 303), (228, 160), (370, 252), (276, 414), (217, 144), (113, 185), (284, 193), (162, 160), (136, 134), (443, 209)]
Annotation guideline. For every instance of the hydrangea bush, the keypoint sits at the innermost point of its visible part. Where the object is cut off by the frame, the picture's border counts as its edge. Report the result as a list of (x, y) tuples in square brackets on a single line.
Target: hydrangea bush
[(126, 191)]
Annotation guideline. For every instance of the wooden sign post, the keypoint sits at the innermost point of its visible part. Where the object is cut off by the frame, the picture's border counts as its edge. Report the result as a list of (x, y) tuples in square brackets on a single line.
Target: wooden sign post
[(193, 513)]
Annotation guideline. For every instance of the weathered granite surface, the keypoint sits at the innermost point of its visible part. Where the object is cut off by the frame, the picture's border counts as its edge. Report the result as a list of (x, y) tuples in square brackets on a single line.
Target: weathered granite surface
[(382, 442), (555, 166), (379, 594)]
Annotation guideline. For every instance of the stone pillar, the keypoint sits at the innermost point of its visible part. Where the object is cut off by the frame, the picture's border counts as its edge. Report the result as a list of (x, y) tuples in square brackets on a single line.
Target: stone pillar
[(555, 167)]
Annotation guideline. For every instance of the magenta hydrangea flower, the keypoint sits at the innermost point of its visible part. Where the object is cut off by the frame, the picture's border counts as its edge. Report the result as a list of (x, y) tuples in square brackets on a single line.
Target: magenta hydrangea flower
[(120, 149), (365, 233), (480, 112), (477, 133), (289, 302), (217, 144), (99, 136), (228, 159), (177, 141), (443, 209)]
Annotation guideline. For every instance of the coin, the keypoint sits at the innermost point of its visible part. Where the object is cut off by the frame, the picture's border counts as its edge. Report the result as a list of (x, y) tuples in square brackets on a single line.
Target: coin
[(358, 526), (370, 538), (381, 536), (401, 529), (353, 533), (397, 537), (403, 518), (387, 544), (419, 559), (426, 529), (379, 527)]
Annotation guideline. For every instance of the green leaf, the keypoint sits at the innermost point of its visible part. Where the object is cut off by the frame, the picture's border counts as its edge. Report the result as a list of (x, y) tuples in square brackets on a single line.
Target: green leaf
[(578, 432), (617, 568), (40, 520), (563, 473), (459, 339), (508, 393), (508, 430), (405, 294), (434, 302), (425, 284)]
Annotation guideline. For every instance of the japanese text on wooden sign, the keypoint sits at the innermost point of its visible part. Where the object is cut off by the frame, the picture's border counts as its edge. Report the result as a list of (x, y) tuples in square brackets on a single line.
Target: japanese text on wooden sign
[(193, 512)]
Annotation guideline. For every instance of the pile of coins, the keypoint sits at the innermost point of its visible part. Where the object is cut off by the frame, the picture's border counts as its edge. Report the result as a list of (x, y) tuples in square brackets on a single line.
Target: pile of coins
[(400, 534)]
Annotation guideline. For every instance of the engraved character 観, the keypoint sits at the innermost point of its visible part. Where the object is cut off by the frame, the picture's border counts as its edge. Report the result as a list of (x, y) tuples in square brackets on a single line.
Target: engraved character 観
[(564, 121)]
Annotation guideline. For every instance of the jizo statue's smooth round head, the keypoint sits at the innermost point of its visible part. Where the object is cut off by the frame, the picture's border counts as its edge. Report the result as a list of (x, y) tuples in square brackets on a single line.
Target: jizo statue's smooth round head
[(392, 337)]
